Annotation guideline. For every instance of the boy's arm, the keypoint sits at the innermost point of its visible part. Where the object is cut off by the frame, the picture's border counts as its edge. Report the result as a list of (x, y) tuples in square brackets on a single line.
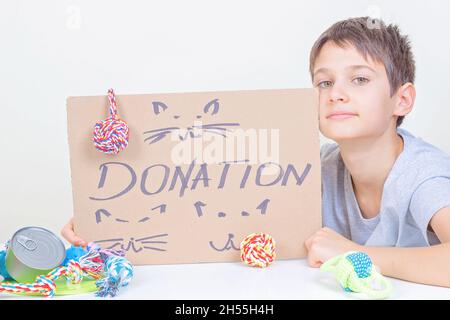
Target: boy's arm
[(427, 265)]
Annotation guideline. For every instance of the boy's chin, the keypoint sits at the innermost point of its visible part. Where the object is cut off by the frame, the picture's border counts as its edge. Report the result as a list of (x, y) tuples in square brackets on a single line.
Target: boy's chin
[(342, 134)]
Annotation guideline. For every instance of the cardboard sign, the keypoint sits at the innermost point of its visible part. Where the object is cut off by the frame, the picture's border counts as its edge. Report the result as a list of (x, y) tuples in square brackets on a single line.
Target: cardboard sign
[(201, 172)]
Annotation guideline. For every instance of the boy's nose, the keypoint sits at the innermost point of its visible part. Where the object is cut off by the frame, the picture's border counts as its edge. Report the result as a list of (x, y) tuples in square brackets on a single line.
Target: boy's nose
[(337, 95)]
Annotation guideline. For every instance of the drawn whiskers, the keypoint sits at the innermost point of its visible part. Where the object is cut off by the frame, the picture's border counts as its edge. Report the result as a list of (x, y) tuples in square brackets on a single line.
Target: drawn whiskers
[(217, 128), (213, 128), (145, 241), (158, 134), (137, 245), (220, 126)]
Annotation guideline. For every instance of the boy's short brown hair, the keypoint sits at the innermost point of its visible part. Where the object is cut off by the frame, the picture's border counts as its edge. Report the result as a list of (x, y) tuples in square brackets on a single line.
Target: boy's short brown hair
[(383, 43)]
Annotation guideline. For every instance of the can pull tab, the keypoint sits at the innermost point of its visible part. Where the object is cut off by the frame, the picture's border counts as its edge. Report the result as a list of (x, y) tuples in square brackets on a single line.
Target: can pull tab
[(27, 243)]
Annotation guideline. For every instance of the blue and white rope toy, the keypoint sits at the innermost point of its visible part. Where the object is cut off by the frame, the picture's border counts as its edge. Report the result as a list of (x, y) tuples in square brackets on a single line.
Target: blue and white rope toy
[(119, 273)]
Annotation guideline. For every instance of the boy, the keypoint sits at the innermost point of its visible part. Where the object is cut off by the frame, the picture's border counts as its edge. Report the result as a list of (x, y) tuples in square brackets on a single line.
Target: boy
[(382, 189)]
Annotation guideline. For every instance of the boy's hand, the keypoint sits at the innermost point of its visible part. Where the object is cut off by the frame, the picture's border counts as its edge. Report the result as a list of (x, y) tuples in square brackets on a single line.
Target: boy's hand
[(69, 234), (326, 244)]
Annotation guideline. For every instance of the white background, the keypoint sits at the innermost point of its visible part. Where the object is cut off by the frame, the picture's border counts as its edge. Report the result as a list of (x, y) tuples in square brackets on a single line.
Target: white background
[(54, 49)]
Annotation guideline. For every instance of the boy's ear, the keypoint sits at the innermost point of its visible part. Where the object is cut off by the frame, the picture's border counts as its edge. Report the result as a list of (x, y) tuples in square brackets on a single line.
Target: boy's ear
[(406, 95)]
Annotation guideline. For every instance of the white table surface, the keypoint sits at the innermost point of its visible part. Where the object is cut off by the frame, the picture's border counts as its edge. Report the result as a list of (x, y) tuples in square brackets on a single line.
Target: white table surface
[(284, 279)]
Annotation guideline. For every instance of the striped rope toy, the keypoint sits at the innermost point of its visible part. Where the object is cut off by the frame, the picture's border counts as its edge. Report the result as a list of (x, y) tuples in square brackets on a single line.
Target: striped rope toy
[(111, 135), (258, 250), (45, 285)]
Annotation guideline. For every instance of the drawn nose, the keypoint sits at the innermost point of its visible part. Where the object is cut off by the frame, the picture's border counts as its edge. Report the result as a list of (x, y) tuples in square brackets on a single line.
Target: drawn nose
[(183, 137), (190, 132)]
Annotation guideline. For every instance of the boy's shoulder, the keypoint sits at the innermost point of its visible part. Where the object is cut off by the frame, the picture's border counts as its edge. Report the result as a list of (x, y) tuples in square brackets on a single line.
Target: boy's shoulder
[(425, 159), (419, 158)]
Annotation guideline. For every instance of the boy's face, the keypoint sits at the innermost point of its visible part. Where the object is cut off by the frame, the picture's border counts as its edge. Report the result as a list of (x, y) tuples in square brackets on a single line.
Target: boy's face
[(354, 94)]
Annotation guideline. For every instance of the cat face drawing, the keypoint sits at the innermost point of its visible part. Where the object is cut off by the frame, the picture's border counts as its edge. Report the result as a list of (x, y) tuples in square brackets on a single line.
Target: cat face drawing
[(196, 130)]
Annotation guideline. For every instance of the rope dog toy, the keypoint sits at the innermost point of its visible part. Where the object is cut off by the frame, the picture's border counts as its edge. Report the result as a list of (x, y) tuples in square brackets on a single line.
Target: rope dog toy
[(258, 250), (119, 270), (108, 267), (355, 273), (111, 135), (45, 285)]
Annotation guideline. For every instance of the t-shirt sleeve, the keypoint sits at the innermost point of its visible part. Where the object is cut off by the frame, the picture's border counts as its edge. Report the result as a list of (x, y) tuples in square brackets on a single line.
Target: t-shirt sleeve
[(431, 196)]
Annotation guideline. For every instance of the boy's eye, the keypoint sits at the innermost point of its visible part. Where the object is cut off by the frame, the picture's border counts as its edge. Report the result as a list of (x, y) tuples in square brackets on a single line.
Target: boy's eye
[(324, 84), (360, 80)]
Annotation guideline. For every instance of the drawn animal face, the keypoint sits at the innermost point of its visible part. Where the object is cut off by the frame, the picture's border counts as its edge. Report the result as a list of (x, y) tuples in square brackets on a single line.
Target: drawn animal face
[(197, 128), (151, 242)]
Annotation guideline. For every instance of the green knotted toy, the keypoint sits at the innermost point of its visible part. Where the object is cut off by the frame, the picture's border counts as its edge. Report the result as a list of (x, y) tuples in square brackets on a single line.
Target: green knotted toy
[(355, 272)]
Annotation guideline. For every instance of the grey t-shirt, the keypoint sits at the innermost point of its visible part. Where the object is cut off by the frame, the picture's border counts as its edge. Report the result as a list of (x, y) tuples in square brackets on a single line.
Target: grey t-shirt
[(417, 186)]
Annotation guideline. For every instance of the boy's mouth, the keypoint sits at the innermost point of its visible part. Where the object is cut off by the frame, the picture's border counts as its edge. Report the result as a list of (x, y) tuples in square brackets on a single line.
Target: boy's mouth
[(341, 115)]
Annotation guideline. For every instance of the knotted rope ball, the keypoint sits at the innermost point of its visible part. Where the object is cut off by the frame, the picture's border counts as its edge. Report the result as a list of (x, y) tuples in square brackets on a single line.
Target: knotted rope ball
[(111, 135), (258, 250)]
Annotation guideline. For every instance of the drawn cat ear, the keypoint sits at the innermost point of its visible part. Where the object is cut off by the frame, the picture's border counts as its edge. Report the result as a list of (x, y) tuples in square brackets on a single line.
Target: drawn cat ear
[(158, 107), (214, 105)]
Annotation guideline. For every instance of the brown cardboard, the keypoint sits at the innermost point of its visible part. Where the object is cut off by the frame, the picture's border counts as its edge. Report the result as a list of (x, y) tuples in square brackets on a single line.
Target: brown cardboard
[(206, 220)]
